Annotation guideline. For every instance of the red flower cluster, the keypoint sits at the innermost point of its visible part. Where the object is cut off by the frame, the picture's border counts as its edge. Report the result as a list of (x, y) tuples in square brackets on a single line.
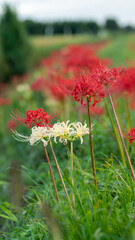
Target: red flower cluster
[(12, 124), (94, 110), (131, 135), (5, 101), (127, 81), (38, 85), (60, 68), (82, 56), (85, 86), (93, 85), (37, 118), (105, 76)]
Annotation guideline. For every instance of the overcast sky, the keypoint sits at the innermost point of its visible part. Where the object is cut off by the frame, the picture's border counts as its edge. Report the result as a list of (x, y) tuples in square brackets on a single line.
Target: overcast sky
[(99, 10)]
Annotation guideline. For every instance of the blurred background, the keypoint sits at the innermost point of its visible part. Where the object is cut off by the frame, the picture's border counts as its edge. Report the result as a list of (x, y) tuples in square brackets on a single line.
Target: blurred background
[(38, 27)]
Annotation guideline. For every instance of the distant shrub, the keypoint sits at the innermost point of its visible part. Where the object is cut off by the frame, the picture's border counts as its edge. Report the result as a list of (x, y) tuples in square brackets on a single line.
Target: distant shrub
[(111, 25), (15, 49)]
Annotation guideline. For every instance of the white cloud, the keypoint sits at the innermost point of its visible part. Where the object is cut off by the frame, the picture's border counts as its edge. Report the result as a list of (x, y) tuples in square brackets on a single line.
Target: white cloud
[(74, 9)]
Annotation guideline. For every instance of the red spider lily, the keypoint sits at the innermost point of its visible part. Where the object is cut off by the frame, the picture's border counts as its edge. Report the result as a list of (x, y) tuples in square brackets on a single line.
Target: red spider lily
[(132, 103), (57, 94), (38, 85), (74, 57), (12, 124), (85, 86), (131, 135), (127, 81), (54, 58), (55, 80), (106, 77), (94, 110), (37, 118), (81, 56), (5, 101)]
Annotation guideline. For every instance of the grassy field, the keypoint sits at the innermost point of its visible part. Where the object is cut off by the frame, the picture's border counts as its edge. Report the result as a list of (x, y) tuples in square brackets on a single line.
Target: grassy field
[(28, 206), (43, 46), (119, 50), (119, 47)]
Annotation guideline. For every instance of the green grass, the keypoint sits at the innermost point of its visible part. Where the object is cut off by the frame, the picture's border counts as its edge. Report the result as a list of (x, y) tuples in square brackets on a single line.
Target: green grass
[(106, 213), (118, 49)]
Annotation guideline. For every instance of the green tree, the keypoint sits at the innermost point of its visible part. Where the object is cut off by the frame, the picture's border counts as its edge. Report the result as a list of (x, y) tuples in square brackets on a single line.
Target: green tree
[(15, 49), (111, 25)]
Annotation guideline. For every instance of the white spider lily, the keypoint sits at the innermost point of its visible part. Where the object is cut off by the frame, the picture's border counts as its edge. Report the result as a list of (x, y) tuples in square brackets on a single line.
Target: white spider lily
[(65, 131), (61, 130), (39, 134), (79, 130), (20, 137), (68, 132)]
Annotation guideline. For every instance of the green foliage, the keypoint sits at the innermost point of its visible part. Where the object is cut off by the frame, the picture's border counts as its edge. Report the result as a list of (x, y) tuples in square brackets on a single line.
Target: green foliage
[(111, 25), (106, 213), (118, 50), (15, 49), (66, 27)]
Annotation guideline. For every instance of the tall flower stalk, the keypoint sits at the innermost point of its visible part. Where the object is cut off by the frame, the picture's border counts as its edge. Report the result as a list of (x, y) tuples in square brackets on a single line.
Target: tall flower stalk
[(127, 110), (67, 131), (72, 167), (40, 132), (110, 79), (86, 88), (91, 144), (51, 172), (116, 135), (122, 138), (59, 171)]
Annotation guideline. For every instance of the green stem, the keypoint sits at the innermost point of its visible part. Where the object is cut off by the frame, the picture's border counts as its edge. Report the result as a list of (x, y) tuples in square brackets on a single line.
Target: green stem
[(73, 197), (51, 172), (122, 138), (129, 124), (59, 171), (116, 135), (91, 144)]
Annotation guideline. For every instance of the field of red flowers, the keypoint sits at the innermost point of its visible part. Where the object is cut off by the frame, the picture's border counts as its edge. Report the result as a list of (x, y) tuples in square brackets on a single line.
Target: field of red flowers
[(68, 145)]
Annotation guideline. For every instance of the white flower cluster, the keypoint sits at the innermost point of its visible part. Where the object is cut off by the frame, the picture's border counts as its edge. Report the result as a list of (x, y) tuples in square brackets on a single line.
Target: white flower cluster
[(65, 131)]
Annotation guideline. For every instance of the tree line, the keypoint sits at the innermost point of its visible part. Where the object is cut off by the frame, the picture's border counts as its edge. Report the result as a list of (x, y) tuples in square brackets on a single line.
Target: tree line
[(73, 27)]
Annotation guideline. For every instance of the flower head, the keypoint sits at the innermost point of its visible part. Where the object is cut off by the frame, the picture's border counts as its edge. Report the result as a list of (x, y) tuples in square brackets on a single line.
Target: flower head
[(105, 76), (39, 134), (37, 118), (131, 135), (65, 131), (79, 130), (85, 86), (68, 131), (62, 130), (126, 83)]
